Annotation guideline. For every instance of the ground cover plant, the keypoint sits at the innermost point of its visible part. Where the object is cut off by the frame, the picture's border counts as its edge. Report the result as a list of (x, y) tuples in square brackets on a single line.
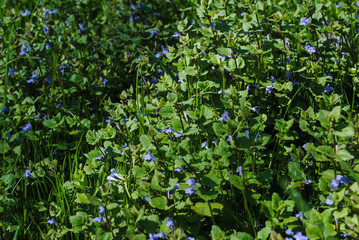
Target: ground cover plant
[(216, 119)]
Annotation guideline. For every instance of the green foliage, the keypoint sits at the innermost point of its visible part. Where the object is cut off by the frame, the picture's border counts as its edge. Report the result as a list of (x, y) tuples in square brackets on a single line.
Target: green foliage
[(213, 119)]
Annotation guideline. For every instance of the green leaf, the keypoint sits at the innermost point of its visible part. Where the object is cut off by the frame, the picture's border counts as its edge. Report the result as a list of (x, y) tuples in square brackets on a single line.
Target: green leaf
[(219, 129), (102, 234), (207, 195), (50, 123), (202, 208), (264, 233), (236, 181), (295, 172), (186, 144), (190, 71), (224, 51), (207, 32), (167, 112), (210, 180), (217, 233), (222, 149), (82, 198), (146, 142), (159, 202), (79, 222), (9, 179)]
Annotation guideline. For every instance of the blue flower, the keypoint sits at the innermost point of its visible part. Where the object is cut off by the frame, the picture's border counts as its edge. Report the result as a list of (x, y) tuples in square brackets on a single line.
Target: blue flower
[(48, 79), (308, 182), (272, 79), (147, 199), (27, 127), (328, 89), (170, 223), (81, 26), (300, 236), (25, 12), (5, 109), (109, 120), (179, 134), (191, 182), (60, 105), (334, 184), (27, 173), (255, 109), (24, 50), (229, 138), (189, 191), (299, 215), (51, 221), (329, 200), (114, 176), (11, 72), (98, 219), (45, 29), (224, 117), (102, 210), (310, 49), (179, 170), (343, 179), (157, 235), (240, 170), (289, 232), (177, 34), (269, 89), (304, 21), (149, 156), (289, 75)]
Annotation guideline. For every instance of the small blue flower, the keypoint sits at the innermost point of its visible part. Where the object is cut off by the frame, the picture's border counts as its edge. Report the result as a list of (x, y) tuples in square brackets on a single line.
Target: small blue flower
[(48, 79), (289, 232), (191, 182), (60, 105), (24, 50), (51, 221), (149, 156), (289, 75), (170, 223), (269, 89), (147, 199), (335, 184), (25, 12), (240, 170), (98, 219), (27, 173), (177, 34), (114, 176), (300, 236), (308, 182), (45, 29), (81, 26), (102, 210), (229, 138), (189, 191), (224, 117), (11, 72), (109, 120), (328, 89), (304, 21), (179, 134), (5, 109), (329, 200), (179, 170), (27, 127), (299, 215)]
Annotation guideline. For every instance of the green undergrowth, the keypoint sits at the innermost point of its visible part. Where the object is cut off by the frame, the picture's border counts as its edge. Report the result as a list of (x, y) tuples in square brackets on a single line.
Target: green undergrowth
[(215, 119)]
